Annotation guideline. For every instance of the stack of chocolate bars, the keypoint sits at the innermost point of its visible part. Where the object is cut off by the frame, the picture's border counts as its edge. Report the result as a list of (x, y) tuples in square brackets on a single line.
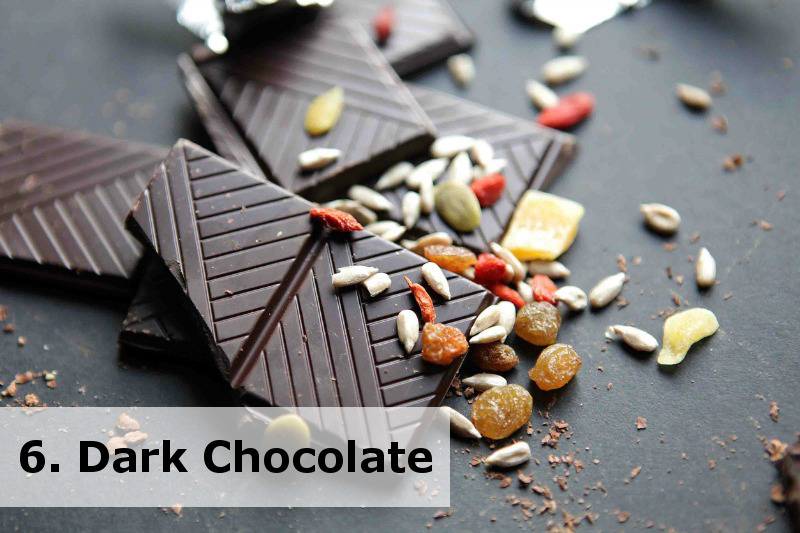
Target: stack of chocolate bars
[(224, 260)]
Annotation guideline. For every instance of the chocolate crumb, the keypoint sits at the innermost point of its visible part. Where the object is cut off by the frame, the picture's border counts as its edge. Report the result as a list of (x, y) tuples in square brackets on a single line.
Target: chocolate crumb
[(641, 423), (774, 411)]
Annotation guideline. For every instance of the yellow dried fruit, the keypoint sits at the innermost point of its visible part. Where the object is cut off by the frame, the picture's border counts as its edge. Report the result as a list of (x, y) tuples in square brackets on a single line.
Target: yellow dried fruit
[(500, 411), (543, 226), (538, 323), (324, 111), (556, 365), (682, 330)]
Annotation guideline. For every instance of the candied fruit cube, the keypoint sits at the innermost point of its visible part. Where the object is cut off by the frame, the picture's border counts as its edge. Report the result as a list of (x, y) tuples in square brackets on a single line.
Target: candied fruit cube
[(500, 411), (556, 365), (538, 323), (453, 258), (683, 329), (543, 226), (441, 344)]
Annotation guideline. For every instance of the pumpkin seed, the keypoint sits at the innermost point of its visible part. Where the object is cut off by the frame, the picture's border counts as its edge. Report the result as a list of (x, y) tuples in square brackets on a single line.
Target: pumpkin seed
[(636, 338), (324, 111), (432, 169), (541, 95), (460, 169), (563, 69), (436, 279), (317, 158), (514, 455), (606, 290), (705, 269), (394, 176), (692, 96), (407, 329), (484, 382), (458, 206), (369, 198), (410, 208), (661, 218), (377, 283), (462, 68)]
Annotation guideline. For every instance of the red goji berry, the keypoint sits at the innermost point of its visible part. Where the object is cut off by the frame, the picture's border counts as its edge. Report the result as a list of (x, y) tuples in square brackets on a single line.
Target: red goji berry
[(544, 290), (489, 269), (571, 109), (489, 189), (335, 220), (384, 23), (423, 301), (504, 292)]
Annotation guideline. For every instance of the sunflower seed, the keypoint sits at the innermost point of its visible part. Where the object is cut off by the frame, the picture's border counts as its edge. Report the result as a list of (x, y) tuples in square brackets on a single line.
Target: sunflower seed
[(484, 382), (692, 96), (407, 329), (451, 145), (427, 195), (541, 95), (488, 317), (525, 290), (394, 176), (462, 68), (573, 297), (552, 269), (469, 273), (381, 227), (508, 316), (511, 259), (636, 338), (610, 334), (509, 274), (516, 454), (362, 214), (430, 239), (394, 234), (352, 275), (369, 198), (606, 290), (460, 168), (481, 152), (317, 158), (565, 38), (460, 424), (492, 334), (705, 269), (432, 169), (435, 277), (324, 111), (563, 69), (495, 166), (377, 283), (411, 206), (661, 218)]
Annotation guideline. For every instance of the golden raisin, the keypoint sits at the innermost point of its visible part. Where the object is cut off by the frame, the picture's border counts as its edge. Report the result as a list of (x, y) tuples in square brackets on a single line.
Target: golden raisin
[(441, 344), (500, 411), (494, 357), (538, 323), (556, 365), (453, 258)]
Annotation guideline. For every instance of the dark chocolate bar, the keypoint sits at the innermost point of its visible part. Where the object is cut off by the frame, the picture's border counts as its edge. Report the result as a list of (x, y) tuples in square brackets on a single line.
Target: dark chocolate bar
[(254, 271), (64, 196), (535, 155), (424, 31), (266, 92)]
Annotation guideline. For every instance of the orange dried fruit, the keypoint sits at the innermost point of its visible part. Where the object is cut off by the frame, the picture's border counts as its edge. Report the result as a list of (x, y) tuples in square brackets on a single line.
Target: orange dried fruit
[(556, 365), (441, 344), (453, 258), (538, 323), (500, 411), (494, 357)]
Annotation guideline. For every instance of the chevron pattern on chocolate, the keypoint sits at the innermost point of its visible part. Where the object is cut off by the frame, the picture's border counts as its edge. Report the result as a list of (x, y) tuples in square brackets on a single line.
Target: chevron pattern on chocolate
[(267, 91), (534, 154), (64, 196), (425, 31), (258, 274)]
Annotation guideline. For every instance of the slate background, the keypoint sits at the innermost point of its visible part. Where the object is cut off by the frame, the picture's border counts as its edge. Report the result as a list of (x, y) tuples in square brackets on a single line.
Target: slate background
[(64, 63)]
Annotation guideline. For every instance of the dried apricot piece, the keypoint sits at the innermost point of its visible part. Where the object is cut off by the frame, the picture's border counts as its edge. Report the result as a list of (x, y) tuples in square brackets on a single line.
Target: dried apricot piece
[(543, 226), (683, 329), (453, 258), (441, 344), (538, 323), (500, 411), (494, 357), (556, 365)]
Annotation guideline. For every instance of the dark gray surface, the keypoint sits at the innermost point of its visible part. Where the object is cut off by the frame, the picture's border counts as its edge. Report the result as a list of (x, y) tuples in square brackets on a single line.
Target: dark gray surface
[(60, 62)]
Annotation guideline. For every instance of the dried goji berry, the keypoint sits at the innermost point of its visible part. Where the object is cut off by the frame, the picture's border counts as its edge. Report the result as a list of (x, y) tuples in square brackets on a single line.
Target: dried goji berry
[(571, 109), (423, 301), (384, 23), (334, 219), (504, 292), (544, 290), (489, 189), (489, 269)]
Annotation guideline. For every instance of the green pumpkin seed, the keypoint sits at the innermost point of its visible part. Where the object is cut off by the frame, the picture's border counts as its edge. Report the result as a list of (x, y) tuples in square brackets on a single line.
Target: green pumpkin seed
[(458, 206), (324, 111)]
